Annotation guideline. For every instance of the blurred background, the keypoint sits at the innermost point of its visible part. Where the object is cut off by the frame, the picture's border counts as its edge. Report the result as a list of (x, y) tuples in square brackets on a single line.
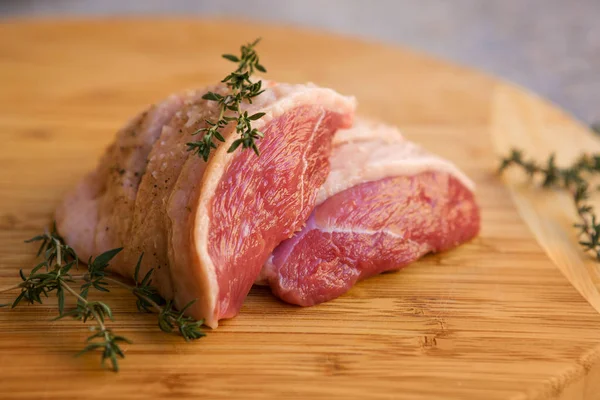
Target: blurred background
[(550, 46)]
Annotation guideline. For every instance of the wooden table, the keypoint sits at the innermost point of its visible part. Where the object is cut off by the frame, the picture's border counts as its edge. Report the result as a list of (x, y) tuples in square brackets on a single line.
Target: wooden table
[(494, 319)]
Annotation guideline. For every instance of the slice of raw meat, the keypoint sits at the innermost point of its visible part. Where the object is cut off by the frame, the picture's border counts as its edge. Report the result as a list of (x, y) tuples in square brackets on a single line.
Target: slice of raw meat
[(208, 228), (228, 216), (386, 203), (96, 215)]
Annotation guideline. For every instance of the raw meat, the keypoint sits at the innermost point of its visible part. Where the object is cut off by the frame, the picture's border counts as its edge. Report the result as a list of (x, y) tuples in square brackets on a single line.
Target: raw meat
[(208, 228), (96, 215), (386, 203)]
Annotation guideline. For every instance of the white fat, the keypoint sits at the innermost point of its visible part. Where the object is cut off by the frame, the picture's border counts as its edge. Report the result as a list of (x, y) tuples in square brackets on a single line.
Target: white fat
[(371, 151)]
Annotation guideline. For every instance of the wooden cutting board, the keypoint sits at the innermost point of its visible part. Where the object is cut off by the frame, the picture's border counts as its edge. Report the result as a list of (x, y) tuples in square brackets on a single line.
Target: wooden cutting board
[(494, 319)]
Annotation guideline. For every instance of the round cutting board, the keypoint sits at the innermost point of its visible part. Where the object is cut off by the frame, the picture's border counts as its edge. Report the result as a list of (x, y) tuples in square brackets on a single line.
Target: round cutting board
[(511, 315)]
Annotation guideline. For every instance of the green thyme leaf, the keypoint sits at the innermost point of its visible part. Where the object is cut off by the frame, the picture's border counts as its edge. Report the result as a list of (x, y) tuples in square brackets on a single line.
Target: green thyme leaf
[(574, 179), (242, 89)]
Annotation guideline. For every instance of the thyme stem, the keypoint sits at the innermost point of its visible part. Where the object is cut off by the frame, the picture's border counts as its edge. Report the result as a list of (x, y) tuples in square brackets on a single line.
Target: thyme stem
[(572, 179), (53, 275), (241, 89), (74, 293), (8, 289), (139, 295)]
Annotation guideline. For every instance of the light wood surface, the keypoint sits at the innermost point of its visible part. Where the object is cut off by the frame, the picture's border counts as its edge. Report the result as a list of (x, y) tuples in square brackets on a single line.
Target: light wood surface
[(494, 319)]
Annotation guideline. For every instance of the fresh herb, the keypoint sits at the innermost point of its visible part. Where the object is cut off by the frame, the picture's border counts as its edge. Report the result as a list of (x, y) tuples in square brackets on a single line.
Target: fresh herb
[(53, 274), (95, 277), (52, 246), (241, 89), (102, 338), (169, 318), (148, 300), (596, 127), (574, 179)]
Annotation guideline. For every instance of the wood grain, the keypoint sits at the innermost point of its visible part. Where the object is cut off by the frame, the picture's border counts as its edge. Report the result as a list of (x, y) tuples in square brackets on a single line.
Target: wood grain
[(520, 121), (494, 319)]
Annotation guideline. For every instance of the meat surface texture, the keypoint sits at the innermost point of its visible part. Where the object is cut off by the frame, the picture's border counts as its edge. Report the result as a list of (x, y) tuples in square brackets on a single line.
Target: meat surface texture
[(386, 203), (96, 215), (207, 228)]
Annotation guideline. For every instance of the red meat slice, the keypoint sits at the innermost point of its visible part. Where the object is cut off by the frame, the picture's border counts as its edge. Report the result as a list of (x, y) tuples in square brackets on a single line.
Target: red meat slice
[(388, 206), (206, 227), (227, 217)]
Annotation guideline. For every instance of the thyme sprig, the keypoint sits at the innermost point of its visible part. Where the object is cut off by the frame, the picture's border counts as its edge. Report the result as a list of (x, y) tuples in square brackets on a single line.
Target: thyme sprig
[(102, 338), (148, 300), (53, 274), (53, 247), (241, 89), (169, 318), (574, 179)]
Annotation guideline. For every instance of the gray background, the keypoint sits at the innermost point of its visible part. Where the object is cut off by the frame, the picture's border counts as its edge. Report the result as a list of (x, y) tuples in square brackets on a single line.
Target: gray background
[(550, 46)]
